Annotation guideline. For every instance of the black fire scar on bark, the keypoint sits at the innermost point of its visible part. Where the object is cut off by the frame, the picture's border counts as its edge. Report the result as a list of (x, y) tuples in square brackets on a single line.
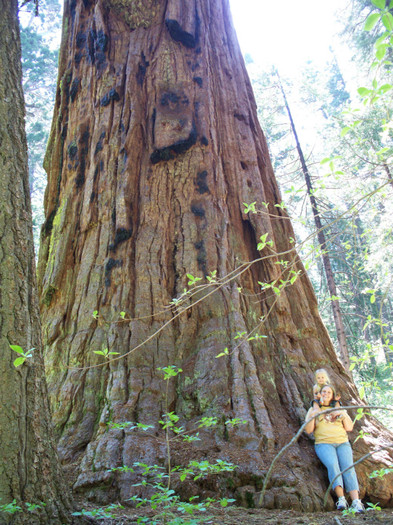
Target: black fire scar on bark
[(179, 35), (111, 95), (201, 256), (201, 184), (198, 80), (97, 43), (84, 143), (74, 89), (99, 146), (142, 67), (198, 210), (170, 152), (112, 263), (122, 234)]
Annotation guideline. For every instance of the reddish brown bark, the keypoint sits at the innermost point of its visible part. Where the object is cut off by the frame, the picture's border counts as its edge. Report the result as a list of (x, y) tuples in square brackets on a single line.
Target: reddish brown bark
[(155, 147)]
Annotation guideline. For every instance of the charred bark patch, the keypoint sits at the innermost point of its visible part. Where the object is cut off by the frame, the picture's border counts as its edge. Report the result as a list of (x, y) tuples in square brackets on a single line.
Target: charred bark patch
[(99, 145), (108, 97), (72, 8), (179, 35), (77, 58), (170, 152), (90, 45), (201, 256), (198, 210), (112, 263), (142, 68), (171, 98), (198, 80), (201, 183), (48, 224), (74, 89), (80, 40), (97, 43), (72, 150), (240, 117), (204, 141), (122, 234)]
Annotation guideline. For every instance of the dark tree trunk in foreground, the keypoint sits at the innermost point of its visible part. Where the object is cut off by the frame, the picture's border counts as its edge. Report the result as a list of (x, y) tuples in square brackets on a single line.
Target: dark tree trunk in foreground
[(155, 147), (29, 468)]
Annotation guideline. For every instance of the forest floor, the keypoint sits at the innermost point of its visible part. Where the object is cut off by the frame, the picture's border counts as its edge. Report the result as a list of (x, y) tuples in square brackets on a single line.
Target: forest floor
[(239, 515)]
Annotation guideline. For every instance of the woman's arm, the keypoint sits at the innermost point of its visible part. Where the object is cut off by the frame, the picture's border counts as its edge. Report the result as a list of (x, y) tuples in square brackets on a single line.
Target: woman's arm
[(347, 421), (310, 427)]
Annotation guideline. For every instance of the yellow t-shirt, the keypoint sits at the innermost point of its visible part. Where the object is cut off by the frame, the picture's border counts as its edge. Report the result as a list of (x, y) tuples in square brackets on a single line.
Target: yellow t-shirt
[(328, 431)]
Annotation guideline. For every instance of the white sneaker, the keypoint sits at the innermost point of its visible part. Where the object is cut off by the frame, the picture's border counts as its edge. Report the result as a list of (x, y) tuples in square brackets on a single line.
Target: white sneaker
[(357, 506), (342, 503)]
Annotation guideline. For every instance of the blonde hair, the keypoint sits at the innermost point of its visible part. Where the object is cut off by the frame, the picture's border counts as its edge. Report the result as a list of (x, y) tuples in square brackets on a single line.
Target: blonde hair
[(322, 371)]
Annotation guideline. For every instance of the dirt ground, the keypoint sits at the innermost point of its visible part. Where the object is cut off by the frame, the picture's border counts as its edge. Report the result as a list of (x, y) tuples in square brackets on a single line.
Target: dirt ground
[(238, 515)]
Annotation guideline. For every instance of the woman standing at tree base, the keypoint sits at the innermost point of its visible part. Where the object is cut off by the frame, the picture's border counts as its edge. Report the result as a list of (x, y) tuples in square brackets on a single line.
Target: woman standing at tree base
[(334, 450)]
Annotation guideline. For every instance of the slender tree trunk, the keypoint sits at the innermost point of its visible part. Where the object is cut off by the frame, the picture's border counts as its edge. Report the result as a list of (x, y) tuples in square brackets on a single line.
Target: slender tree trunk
[(155, 146), (29, 469), (338, 320)]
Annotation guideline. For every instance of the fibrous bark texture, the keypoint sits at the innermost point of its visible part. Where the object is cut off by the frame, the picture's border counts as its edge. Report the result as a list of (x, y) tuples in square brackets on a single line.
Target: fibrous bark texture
[(29, 468), (155, 147)]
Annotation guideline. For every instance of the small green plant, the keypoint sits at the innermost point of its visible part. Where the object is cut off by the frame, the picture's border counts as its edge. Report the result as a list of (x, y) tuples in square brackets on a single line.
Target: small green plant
[(100, 513), (249, 208), (31, 507), (350, 511), (129, 425), (380, 473), (24, 355), (372, 506), (166, 503), (105, 353), (10, 508), (193, 280)]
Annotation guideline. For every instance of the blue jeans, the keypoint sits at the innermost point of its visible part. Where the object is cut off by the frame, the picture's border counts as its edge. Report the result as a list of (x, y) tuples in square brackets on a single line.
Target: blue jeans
[(337, 457)]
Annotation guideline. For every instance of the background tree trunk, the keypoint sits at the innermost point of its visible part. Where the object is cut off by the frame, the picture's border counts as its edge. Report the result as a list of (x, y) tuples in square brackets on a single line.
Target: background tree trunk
[(327, 265), (29, 470), (155, 146)]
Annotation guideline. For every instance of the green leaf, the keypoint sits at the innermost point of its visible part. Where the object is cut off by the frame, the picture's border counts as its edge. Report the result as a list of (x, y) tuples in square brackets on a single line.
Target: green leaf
[(344, 131), (383, 89), (381, 52), (372, 20), (19, 361), (379, 3), (99, 352), (18, 349), (122, 315), (363, 92), (387, 20)]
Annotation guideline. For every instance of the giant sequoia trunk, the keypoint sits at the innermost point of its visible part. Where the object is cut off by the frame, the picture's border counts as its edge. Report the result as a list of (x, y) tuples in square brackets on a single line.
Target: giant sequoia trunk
[(155, 147), (29, 467)]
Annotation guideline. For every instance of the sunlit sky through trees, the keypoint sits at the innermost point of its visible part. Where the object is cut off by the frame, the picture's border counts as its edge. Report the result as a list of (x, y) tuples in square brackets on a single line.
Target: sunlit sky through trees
[(288, 33)]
